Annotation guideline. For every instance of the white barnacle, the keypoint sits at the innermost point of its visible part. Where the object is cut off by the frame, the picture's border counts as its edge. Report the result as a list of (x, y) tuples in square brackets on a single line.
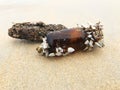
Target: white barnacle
[(89, 32), (89, 36), (59, 49), (70, 50), (86, 48), (86, 42), (44, 47), (51, 54), (58, 54), (46, 53), (44, 39), (44, 43), (91, 43), (92, 39), (102, 42), (98, 44)]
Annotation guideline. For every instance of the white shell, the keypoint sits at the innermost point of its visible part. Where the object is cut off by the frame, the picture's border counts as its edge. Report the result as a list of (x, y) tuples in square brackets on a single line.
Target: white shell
[(70, 50)]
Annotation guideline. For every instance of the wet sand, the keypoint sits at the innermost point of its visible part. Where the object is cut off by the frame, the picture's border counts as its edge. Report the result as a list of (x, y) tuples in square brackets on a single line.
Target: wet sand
[(22, 68)]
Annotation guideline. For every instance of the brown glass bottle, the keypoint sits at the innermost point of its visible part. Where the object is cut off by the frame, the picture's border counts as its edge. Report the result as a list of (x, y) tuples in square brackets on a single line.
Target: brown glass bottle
[(74, 38)]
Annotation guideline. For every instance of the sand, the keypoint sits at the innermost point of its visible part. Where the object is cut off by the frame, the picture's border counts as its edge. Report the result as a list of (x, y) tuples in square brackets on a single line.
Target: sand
[(22, 68)]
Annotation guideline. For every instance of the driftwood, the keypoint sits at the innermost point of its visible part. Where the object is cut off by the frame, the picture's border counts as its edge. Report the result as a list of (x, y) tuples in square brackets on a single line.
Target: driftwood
[(33, 31)]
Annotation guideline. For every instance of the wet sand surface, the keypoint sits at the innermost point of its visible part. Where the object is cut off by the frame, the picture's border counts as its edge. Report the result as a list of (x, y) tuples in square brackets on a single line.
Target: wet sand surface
[(22, 68)]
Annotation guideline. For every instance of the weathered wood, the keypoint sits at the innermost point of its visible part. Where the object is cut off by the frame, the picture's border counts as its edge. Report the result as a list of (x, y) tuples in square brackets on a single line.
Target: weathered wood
[(33, 31)]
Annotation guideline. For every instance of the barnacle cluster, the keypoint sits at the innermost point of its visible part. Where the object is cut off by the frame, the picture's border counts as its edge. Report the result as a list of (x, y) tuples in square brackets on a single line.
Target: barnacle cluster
[(61, 43)]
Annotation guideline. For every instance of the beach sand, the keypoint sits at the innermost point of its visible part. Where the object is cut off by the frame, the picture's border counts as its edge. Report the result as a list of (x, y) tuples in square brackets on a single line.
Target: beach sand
[(22, 68)]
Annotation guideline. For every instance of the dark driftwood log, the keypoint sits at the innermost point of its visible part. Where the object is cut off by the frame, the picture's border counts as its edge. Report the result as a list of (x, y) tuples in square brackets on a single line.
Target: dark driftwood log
[(33, 31)]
